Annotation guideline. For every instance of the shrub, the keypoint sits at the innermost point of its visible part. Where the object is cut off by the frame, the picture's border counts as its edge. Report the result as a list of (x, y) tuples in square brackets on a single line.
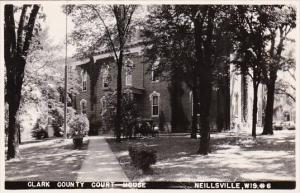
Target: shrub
[(142, 156), (129, 112), (78, 123), (57, 114), (39, 130)]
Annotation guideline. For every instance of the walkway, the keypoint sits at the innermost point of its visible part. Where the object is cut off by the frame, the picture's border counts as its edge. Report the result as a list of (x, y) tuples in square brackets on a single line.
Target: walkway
[(100, 163)]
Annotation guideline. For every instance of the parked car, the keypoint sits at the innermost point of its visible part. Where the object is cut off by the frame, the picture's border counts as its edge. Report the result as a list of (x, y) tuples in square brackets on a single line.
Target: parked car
[(277, 125), (289, 125)]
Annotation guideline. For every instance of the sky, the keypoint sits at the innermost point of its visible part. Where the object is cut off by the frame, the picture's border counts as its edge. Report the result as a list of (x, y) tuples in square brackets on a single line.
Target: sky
[(56, 23)]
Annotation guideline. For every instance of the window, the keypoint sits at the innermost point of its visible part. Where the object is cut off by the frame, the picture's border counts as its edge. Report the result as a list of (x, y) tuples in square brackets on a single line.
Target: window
[(61, 97), (83, 106), (154, 98), (192, 105), (128, 71), (70, 69), (84, 80), (236, 112), (155, 74), (103, 104), (105, 78), (128, 79), (155, 106)]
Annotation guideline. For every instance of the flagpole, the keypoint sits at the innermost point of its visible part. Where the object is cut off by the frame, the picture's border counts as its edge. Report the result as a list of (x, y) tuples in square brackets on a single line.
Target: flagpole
[(66, 79)]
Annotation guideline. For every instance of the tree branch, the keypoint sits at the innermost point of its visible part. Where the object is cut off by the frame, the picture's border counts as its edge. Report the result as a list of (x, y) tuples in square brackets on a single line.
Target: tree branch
[(293, 87), (291, 74), (21, 28), (107, 31), (129, 19), (30, 27), (284, 92), (9, 34)]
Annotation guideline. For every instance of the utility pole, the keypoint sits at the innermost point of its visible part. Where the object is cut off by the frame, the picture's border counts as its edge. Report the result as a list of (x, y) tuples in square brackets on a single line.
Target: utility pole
[(66, 78)]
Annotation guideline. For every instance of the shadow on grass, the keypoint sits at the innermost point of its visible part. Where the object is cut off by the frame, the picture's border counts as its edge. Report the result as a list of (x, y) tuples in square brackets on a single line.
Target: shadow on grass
[(232, 158), (51, 162)]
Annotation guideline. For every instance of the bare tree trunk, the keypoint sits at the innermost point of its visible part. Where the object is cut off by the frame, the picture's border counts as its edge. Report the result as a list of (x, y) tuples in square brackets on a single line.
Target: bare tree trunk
[(13, 143), (254, 109), (268, 126), (195, 112), (199, 55), (14, 86), (220, 110), (15, 54), (19, 134), (244, 95), (123, 15), (206, 77), (119, 99), (205, 100), (226, 91)]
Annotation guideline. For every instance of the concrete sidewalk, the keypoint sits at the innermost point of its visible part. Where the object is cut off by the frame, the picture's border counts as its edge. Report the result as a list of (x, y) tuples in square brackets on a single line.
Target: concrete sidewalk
[(100, 163)]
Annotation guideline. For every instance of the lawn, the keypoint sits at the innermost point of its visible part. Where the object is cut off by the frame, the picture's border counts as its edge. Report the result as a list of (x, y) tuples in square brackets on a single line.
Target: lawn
[(233, 158), (50, 160)]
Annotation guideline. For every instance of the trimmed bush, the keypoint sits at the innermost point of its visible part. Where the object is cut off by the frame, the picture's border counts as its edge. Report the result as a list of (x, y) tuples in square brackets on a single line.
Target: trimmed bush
[(142, 156), (78, 125)]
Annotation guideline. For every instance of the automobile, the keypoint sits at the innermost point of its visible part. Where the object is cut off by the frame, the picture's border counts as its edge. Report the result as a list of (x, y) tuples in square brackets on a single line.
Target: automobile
[(277, 125), (289, 125)]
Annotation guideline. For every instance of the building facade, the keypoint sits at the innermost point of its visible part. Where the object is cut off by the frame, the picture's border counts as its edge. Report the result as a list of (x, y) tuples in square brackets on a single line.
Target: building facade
[(241, 101), (153, 96), (150, 92)]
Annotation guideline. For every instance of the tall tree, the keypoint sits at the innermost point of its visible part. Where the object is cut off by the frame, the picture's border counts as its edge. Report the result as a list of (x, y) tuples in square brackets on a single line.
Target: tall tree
[(286, 85), (16, 47), (112, 27), (204, 19), (250, 41), (279, 22), (169, 49), (186, 38), (209, 24)]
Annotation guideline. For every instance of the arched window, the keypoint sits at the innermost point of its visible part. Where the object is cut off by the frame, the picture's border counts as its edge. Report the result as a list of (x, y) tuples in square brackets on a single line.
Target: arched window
[(84, 81), (83, 106), (154, 99)]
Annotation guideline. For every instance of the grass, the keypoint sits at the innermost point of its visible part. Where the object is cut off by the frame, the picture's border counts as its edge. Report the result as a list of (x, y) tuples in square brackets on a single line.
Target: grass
[(232, 158), (51, 160)]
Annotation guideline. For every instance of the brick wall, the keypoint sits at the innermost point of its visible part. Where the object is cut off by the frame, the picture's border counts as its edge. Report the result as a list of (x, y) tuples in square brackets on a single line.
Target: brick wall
[(141, 79)]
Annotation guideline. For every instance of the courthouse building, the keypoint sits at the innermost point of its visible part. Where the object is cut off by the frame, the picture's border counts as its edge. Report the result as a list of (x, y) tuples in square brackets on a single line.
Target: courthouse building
[(151, 93), (153, 97)]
